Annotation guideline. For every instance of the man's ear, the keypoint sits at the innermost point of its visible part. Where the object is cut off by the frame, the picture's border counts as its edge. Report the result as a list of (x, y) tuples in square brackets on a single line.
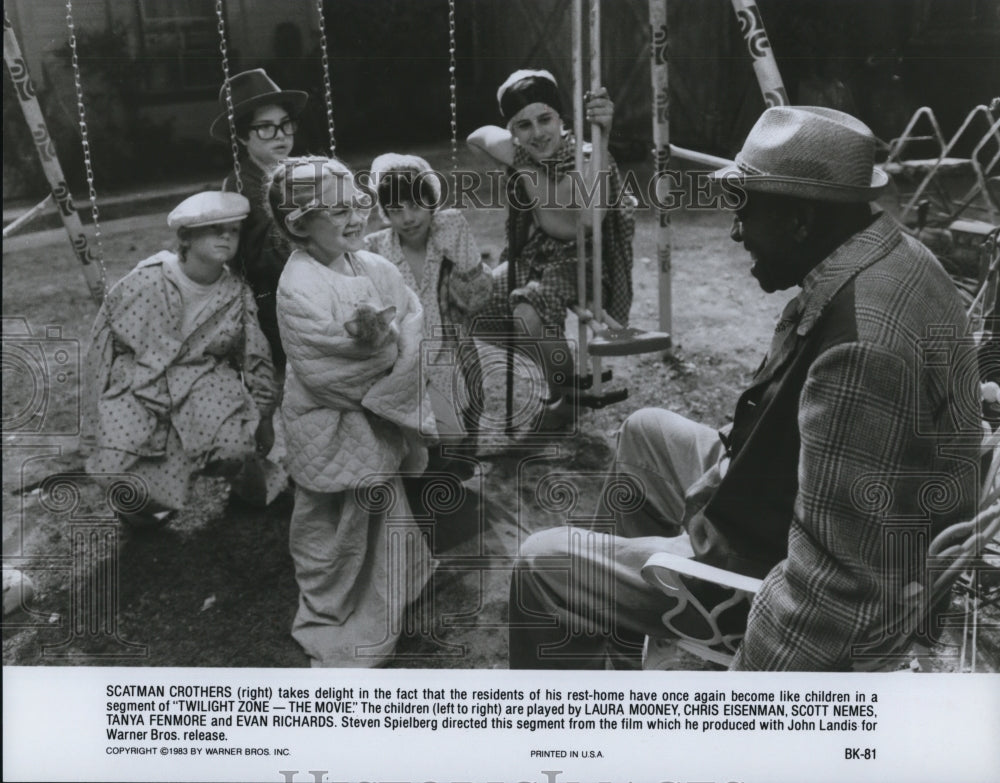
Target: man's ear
[(805, 222)]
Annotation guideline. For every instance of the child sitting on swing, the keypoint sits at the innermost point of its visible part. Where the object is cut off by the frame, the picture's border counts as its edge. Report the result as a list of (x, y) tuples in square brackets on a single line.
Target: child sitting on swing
[(265, 120), (178, 374), (355, 415), (546, 203), (438, 257)]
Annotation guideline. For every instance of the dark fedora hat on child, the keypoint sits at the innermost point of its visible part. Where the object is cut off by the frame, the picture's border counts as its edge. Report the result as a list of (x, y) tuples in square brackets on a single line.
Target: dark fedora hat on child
[(251, 89), (809, 152)]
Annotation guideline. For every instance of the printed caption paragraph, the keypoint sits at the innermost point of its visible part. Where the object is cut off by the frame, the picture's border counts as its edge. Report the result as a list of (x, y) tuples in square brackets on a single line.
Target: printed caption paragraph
[(227, 720)]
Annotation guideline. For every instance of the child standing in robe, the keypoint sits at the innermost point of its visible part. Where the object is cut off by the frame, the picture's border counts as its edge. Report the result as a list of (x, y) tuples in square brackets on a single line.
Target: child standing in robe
[(355, 416)]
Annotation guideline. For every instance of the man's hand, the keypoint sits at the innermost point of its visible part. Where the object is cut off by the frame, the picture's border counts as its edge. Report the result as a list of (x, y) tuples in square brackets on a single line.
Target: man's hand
[(701, 491)]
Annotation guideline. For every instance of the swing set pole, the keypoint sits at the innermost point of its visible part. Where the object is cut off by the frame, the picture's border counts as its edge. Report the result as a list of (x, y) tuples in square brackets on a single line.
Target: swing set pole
[(771, 87), (658, 58), (597, 165), (764, 65), (581, 252), (46, 150)]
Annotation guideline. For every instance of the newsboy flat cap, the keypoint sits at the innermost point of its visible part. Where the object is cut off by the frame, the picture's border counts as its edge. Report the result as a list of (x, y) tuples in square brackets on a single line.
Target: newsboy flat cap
[(208, 209)]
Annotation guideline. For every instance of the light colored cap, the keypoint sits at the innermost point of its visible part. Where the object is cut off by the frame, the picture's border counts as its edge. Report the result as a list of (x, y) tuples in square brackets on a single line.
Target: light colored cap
[(209, 208)]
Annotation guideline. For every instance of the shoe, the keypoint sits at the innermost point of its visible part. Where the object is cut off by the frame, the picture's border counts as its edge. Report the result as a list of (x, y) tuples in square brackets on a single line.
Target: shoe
[(581, 383), (461, 469), (146, 521), (559, 416)]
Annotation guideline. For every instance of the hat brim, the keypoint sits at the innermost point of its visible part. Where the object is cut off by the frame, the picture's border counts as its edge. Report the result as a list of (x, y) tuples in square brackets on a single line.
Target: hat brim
[(293, 100), (797, 187), (216, 222)]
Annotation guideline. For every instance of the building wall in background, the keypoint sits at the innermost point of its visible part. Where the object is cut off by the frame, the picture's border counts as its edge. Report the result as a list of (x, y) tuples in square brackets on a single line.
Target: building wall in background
[(152, 67)]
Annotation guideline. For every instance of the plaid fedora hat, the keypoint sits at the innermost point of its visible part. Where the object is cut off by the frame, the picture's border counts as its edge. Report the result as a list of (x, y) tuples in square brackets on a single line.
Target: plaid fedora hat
[(809, 152), (251, 89)]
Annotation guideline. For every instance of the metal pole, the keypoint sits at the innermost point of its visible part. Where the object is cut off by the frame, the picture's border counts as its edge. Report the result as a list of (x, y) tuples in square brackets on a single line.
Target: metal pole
[(661, 154), (28, 216), (764, 64), (597, 164), (581, 235), (511, 320), (701, 158), (46, 150)]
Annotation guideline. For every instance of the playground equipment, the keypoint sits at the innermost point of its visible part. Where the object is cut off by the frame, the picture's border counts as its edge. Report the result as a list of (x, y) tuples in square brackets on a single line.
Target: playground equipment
[(93, 265), (931, 201)]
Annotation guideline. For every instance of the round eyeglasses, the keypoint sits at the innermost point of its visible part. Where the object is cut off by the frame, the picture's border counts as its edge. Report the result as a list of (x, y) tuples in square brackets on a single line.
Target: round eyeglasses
[(341, 213), (268, 130)]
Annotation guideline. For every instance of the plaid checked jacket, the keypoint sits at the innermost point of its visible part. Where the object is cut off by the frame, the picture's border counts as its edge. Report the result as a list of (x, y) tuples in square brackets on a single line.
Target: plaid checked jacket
[(839, 447)]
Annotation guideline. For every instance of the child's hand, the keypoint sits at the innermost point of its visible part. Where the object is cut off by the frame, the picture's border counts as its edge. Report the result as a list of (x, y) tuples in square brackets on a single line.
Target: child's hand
[(598, 108)]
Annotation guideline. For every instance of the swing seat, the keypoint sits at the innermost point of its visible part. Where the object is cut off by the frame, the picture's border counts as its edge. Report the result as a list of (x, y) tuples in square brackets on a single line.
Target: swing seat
[(627, 341)]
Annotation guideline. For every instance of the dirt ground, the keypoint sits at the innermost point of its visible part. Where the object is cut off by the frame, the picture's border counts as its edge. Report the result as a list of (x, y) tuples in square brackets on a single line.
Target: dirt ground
[(216, 588)]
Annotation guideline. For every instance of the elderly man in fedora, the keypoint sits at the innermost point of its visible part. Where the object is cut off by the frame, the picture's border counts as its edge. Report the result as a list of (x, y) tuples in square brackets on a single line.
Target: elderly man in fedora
[(265, 119), (841, 407)]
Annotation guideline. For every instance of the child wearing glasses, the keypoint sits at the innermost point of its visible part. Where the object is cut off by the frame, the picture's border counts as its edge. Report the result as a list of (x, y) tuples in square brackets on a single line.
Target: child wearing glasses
[(265, 119), (436, 253), (355, 415)]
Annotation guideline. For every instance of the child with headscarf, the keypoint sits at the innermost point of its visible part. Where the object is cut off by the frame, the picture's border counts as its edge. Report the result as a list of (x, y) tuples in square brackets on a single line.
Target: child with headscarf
[(546, 203), (439, 259)]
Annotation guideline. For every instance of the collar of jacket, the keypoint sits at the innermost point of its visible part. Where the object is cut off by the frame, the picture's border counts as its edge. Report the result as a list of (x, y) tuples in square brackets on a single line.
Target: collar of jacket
[(843, 264)]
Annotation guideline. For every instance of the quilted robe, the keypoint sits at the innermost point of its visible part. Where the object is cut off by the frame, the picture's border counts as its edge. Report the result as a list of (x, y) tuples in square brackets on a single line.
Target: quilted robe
[(350, 411), (160, 406)]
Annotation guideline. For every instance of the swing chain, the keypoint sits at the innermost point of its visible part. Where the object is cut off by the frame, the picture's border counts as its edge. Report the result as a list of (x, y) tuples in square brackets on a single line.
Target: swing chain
[(452, 86), (228, 92), (85, 140), (328, 89)]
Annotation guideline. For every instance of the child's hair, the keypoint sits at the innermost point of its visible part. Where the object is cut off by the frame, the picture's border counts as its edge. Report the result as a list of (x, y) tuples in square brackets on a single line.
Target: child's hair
[(183, 243), (405, 179), (295, 187), (241, 124), (399, 187)]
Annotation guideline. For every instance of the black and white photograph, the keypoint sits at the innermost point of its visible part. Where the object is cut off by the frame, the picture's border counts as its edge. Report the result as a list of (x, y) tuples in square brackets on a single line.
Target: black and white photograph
[(484, 390)]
